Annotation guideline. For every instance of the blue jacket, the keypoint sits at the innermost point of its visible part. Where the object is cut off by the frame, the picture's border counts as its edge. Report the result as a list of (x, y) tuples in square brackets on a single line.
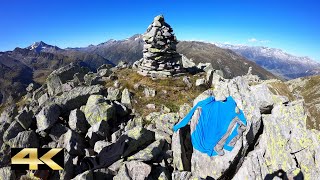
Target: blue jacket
[(213, 124)]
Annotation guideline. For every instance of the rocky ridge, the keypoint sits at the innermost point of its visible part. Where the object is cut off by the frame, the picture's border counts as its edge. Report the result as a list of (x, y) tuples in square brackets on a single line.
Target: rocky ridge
[(86, 113)]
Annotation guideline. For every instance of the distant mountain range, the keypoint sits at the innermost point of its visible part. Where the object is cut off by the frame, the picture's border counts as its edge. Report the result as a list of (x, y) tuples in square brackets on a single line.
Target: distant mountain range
[(22, 66), (130, 50), (277, 61), (34, 63)]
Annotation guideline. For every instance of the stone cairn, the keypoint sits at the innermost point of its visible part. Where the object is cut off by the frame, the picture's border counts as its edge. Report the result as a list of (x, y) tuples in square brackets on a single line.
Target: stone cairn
[(160, 58)]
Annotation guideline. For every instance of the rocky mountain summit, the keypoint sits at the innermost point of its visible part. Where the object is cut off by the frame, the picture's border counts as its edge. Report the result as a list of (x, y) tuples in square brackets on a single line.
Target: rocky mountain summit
[(106, 134), (42, 47), (116, 122)]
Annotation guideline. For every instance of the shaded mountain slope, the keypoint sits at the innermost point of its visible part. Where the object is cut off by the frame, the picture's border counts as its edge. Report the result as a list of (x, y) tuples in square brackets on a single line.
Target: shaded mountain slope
[(14, 77), (22, 66), (229, 62)]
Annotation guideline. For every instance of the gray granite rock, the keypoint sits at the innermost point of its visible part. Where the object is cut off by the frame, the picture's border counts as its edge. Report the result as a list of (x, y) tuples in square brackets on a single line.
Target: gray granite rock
[(77, 97), (98, 109), (7, 173), (25, 118), (72, 142), (285, 144), (200, 82), (98, 131), (77, 121), (149, 153), (126, 98), (59, 77), (149, 92), (57, 131), (99, 145), (133, 170), (47, 117), (87, 175), (12, 131), (138, 137), (113, 94), (25, 139)]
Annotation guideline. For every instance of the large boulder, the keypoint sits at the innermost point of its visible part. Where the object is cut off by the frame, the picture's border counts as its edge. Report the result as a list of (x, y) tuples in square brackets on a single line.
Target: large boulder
[(12, 131), (133, 170), (68, 171), (25, 139), (286, 146), (59, 77), (47, 117), (77, 121), (250, 101), (98, 131), (72, 142), (25, 118), (138, 137), (149, 153), (57, 131), (181, 157), (77, 97), (98, 109), (165, 122)]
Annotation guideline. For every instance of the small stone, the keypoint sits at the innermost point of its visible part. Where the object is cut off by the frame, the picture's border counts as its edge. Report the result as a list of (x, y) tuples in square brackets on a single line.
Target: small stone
[(200, 82), (113, 94), (43, 99), (151, 106), (126, 98), (149, 92), (116, 84), (99, 145)]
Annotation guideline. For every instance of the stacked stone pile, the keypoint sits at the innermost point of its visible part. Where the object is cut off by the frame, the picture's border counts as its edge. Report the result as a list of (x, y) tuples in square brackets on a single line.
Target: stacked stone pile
[(160, 58)]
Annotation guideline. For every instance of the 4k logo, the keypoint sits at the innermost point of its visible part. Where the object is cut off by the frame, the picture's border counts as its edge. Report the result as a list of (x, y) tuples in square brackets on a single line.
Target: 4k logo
[(37, 159)]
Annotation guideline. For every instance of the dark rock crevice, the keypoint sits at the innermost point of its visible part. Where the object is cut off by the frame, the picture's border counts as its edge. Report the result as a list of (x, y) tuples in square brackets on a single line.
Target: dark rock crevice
[(236, 164)]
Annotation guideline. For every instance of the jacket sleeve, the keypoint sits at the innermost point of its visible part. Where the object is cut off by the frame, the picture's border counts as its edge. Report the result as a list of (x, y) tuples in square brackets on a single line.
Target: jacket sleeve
[(188, 117), (241, 117), (185, 120)]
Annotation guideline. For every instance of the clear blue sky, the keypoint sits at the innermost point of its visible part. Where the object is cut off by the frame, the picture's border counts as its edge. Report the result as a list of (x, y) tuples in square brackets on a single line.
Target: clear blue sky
[(292, 25)]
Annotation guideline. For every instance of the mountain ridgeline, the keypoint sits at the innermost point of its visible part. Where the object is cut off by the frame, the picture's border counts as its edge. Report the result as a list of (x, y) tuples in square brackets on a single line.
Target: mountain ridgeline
[(130, 50), (32, 64), (277, 61)]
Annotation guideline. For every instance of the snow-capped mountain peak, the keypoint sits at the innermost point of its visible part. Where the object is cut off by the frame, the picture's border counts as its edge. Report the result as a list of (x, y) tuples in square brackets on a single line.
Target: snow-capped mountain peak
[(276, 60), (40, 46)]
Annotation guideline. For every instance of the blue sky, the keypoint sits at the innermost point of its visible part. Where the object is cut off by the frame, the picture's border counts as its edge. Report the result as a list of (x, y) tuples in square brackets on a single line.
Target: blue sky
[(292, 25)]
